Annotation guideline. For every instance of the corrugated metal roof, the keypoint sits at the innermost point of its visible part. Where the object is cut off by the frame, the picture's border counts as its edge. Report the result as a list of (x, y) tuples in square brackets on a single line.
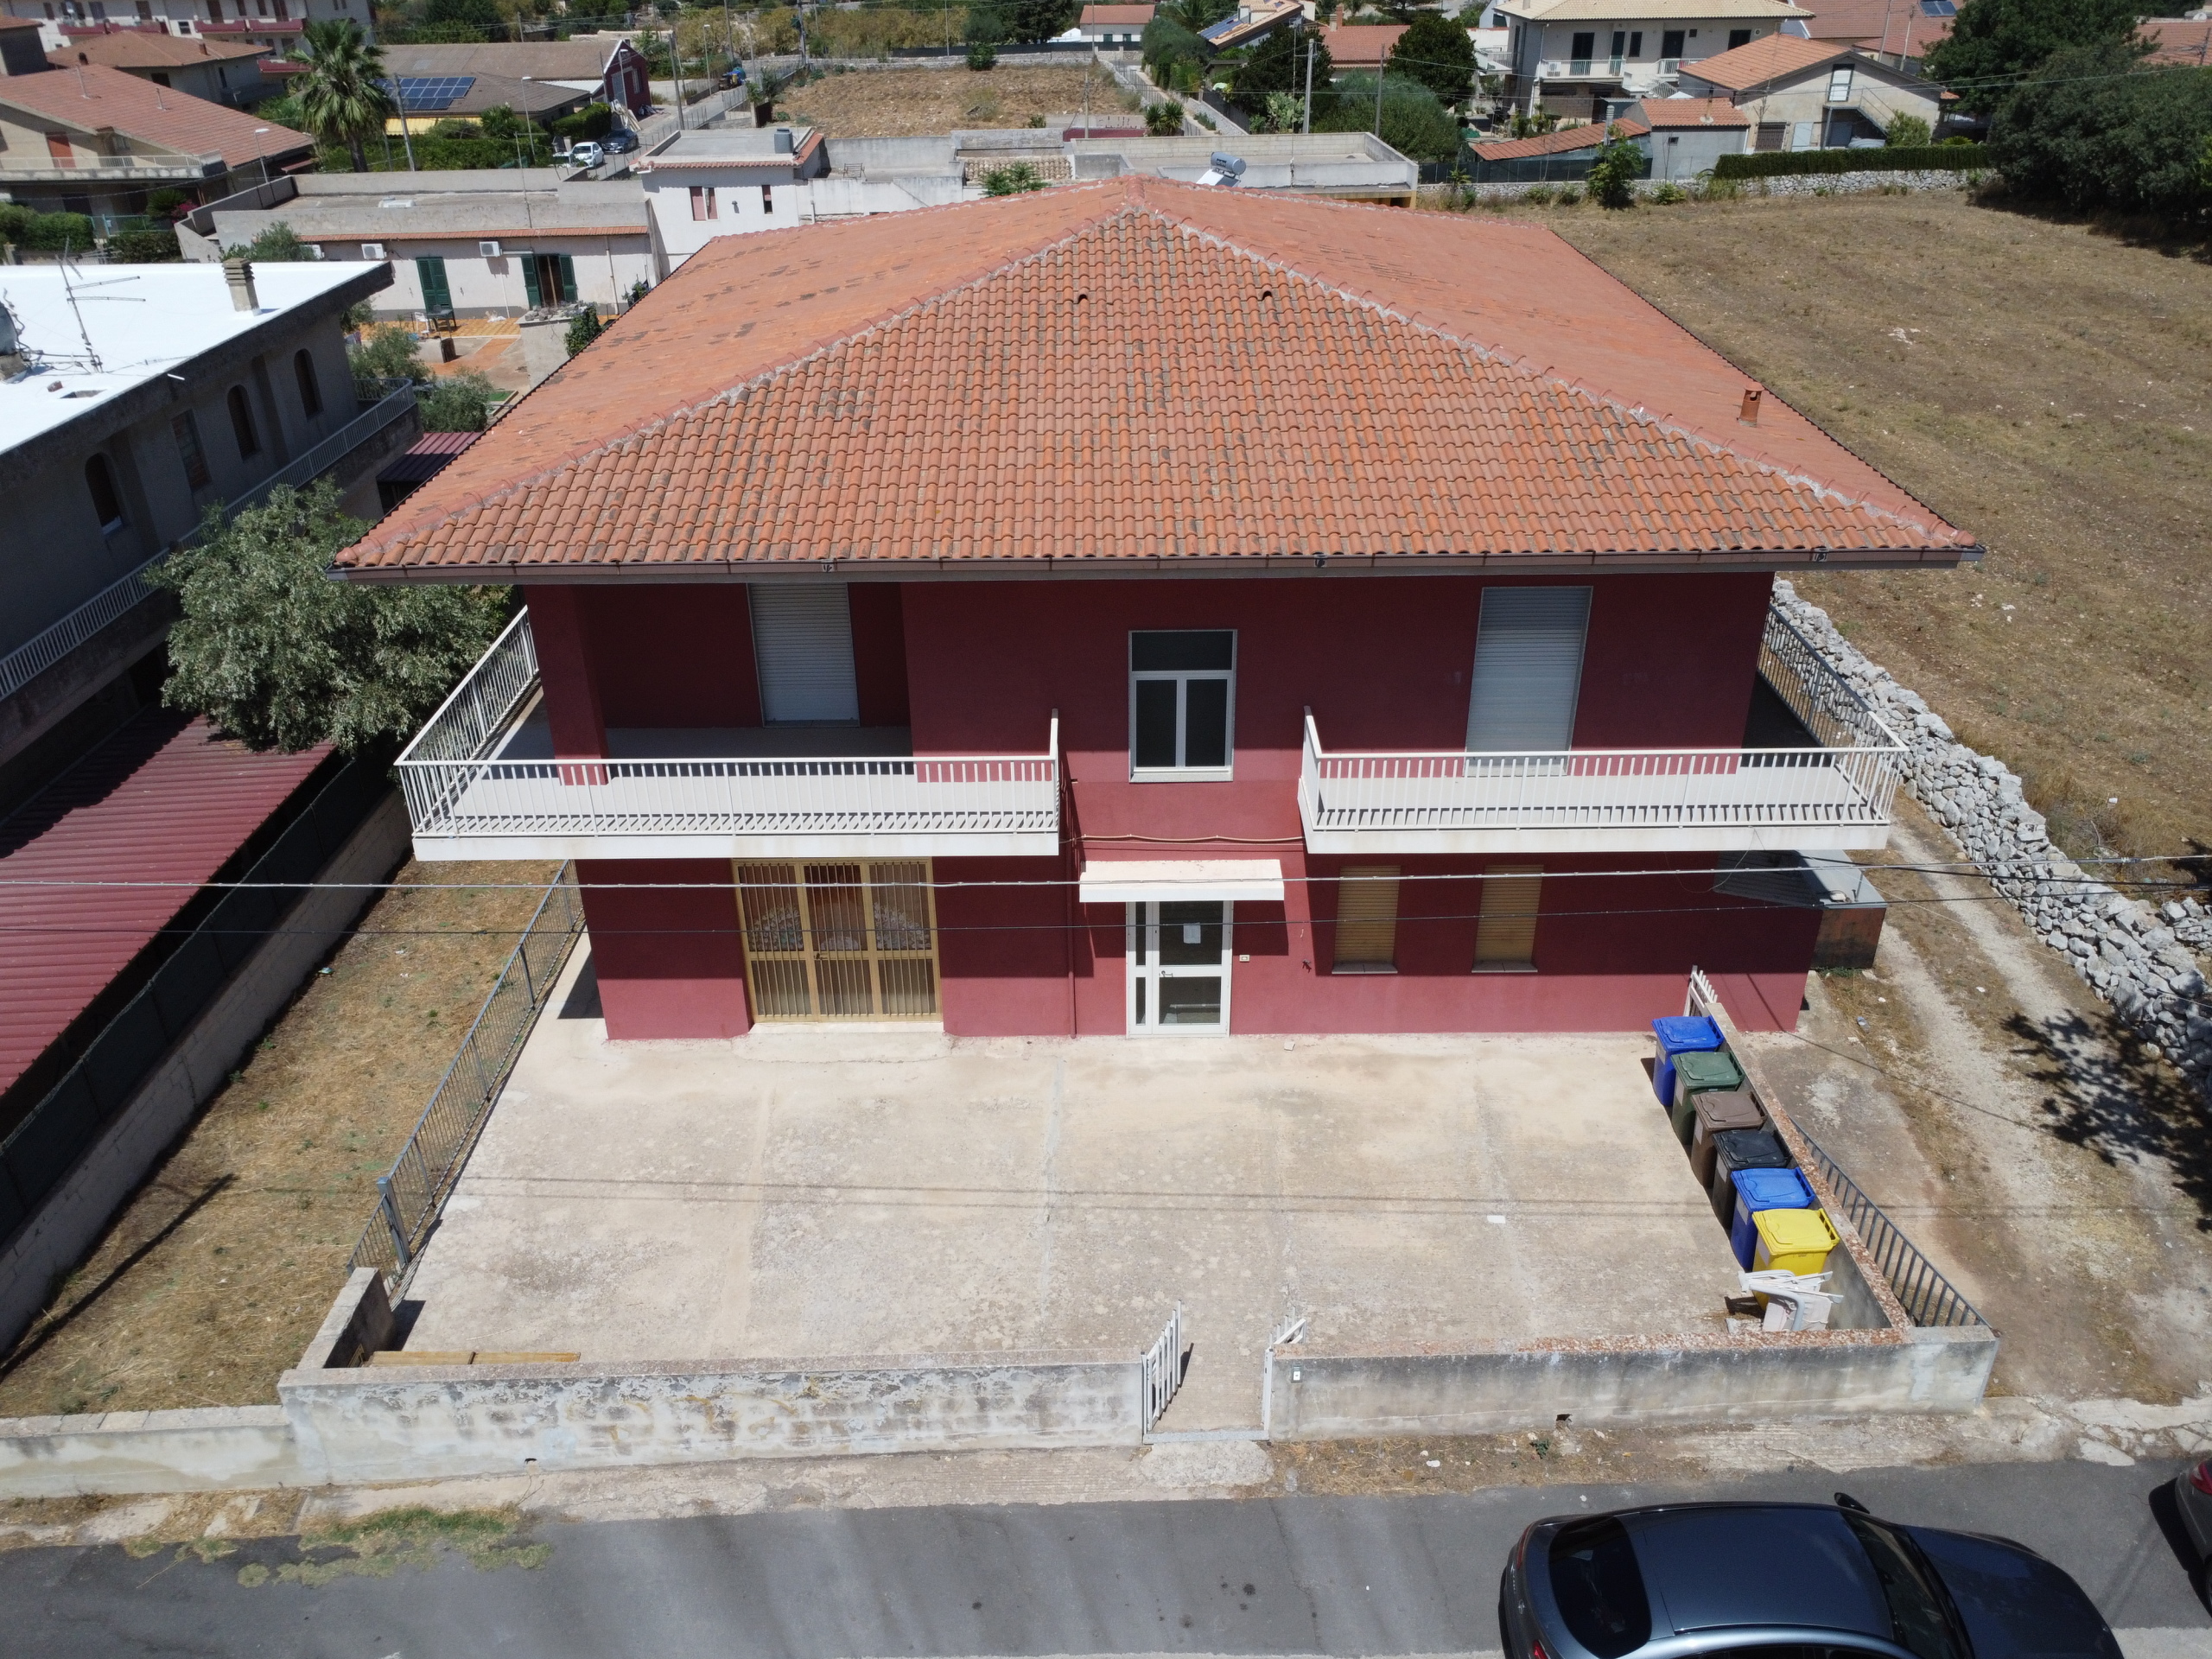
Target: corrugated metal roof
[(160, 801)]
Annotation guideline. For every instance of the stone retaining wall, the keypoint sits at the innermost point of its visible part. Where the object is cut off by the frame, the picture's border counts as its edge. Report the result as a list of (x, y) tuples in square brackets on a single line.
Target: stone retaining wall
[(2136, 958)]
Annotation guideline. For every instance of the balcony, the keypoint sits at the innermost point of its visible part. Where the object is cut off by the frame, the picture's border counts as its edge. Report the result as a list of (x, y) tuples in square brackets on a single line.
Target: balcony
[(1831, 790), (481, 783)]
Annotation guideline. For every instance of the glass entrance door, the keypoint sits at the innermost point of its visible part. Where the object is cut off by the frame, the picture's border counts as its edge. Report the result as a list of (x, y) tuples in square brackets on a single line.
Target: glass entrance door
[(1179, 966)]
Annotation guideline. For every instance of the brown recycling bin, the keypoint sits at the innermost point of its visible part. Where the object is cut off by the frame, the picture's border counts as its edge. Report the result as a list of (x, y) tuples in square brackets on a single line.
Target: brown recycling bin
[(1718, 1110)]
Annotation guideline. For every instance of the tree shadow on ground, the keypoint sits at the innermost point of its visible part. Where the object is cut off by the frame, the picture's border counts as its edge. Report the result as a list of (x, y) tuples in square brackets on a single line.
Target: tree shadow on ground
[(2111, 1096), (2144, 230)]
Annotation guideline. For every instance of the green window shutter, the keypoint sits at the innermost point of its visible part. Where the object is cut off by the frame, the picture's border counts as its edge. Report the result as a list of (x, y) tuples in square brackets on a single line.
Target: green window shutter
[(436, 297), (529, 281), (568, 280)]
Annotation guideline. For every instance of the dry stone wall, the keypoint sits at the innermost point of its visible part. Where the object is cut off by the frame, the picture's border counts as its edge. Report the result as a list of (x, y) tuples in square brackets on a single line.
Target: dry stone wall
[(2138, 958)]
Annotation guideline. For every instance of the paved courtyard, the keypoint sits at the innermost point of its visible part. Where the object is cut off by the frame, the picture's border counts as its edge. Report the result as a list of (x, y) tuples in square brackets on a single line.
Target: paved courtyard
[(821, 1191)]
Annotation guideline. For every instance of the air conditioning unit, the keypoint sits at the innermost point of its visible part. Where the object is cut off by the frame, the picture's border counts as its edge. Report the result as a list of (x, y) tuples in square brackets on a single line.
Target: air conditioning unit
[(489, 250), (371, 250)]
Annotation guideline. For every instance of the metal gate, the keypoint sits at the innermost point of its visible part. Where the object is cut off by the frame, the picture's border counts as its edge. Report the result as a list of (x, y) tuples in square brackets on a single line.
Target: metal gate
[(1163, 1368)]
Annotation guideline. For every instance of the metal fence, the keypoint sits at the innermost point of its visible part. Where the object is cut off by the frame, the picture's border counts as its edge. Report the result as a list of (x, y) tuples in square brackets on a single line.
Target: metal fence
[(1927, 1296), (411, 1196), (1162, 1369)]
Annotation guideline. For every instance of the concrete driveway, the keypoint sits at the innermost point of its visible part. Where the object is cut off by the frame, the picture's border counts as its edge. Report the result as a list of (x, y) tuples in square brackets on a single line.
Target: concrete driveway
[(822, 1191)]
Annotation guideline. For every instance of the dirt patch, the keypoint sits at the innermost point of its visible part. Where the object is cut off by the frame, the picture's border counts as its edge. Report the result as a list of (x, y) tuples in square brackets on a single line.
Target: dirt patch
[(2043, 384), (221, 1268), (909, 102)]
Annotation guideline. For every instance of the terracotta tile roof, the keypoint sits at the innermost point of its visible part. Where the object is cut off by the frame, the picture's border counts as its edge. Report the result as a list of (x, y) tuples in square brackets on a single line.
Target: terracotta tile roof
[(2178, 40), (90, 96), (1115, 16), (1776, 57), (1896, 27), (128, 48), (1358, 46), (1560, 140), (1692, 112), (1138, 372)]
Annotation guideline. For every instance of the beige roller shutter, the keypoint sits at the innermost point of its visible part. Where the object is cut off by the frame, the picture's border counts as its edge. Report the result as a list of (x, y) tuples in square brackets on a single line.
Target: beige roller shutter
[(1505, 937), (1367, 919)]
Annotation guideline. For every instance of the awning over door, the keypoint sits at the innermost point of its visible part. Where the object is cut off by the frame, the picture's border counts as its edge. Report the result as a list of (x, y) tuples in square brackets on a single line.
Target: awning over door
[(1136, 881)]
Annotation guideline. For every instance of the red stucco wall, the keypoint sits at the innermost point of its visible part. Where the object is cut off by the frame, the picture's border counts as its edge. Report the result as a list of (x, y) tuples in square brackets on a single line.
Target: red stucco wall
[(669, 960)]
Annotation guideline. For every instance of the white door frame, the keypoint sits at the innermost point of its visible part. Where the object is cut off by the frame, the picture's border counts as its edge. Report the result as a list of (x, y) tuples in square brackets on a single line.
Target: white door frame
[(1141, 950)]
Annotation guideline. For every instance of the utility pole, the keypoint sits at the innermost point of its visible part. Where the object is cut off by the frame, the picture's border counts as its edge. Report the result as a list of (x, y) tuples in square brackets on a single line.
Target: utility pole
[(400, 99), (1378, 100), (1307, 125)]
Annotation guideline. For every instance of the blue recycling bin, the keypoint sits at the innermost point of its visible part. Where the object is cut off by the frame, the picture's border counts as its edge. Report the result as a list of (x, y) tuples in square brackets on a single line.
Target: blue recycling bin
[(1758, 1190), (1679, 1034)]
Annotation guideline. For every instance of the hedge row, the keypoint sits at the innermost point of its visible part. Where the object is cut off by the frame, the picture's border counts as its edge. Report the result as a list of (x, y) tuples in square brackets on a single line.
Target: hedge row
[(1773, 164)]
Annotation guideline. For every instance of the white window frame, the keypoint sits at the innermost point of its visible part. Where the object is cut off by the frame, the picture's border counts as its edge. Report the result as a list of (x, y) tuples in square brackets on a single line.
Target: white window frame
[(1185, 774), (1839, 84), (1141, 930)]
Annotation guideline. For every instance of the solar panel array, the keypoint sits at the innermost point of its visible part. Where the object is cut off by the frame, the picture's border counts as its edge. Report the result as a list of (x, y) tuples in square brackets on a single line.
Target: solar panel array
[(423, 94)]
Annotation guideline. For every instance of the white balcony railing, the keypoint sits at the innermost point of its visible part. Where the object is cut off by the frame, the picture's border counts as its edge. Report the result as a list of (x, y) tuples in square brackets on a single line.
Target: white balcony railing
[(1834, 797), (465, 800)]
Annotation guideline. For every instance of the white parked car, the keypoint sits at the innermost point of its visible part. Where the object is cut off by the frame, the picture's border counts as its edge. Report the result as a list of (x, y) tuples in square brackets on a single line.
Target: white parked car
[(587, 155)]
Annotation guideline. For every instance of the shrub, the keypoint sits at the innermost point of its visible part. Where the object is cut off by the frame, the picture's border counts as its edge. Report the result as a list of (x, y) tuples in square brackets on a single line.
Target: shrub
[(981, 54), (273, 244), (1166, 43), (2098, 133), (1204, 120), (1277, 67), (1414, 123), (1669, 194), (164, 203), (1537, 194), (1776, 164), (1164, 120), (143, 247), (388, 354), (52, 232), (1905, 132), (590, 123), (584, 328), (1569, 196), (1615, 169), (458, 402), (1013, 180)]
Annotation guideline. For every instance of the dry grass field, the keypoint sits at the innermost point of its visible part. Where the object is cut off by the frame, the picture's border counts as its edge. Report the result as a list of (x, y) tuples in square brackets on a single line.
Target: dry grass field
[(2046, 385), (216, 1274), (907, 103)]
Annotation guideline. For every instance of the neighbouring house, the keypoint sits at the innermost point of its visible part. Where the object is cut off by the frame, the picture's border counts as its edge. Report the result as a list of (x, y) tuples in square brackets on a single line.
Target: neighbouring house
[(1563, 155), (122, 420), (222, 71), (2179, 41), (1806, 94), (1251, 23), (1115, 27), (1686, 136), (460, 242), (1361, 46), (886, 657), (274, 25), (420, 100), (1898, 32), (603, 66), (704, 183), (1585, 58), (93, 139)]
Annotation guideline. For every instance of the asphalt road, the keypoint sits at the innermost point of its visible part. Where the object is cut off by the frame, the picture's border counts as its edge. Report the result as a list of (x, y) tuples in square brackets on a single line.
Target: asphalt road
[(1291, 1575)]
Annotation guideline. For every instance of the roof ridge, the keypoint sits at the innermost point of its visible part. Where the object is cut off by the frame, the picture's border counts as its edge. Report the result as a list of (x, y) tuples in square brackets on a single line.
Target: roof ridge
[(375, 542), (1750, 455)]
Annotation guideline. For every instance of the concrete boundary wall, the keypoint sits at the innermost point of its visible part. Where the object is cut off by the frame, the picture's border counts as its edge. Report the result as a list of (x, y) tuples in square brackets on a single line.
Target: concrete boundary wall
[(1318, 1396), (231, 1448), (71, 1218)]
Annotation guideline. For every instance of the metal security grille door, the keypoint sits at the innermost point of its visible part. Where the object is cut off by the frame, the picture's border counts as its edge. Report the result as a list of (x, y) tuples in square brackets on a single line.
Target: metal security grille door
[(1528, 672), (1179, 966), (802, 646), (851, 940)]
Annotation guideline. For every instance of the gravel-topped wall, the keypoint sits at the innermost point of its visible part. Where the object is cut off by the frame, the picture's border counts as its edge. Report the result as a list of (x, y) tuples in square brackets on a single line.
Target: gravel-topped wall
[(2137, 958)]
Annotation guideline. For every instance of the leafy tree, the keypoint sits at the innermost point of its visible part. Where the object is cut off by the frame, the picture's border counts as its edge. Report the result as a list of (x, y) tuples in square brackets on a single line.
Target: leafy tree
[(1166, 43), (284, 112), (2096, 130), (1905, 132), (388, 354), (481, 15), (458, 402), (500, 121), (585, 328), (1014, 179), (1993, 44), (982, 55), (1277, 63), (273, 244), (1414, 123), (1039, 20), (1614, 170), (340, 95), (1438, 52), (280, 656), (48, 233)]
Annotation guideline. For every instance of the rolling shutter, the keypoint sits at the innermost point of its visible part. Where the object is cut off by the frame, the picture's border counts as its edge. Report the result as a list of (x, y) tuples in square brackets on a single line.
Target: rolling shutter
[(1528, 670), (1505, 937), (1367, 919), (802, 646)]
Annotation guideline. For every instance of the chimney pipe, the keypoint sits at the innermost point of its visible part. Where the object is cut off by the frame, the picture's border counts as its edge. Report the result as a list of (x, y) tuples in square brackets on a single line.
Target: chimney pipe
[(1749, 415), (238, 273)]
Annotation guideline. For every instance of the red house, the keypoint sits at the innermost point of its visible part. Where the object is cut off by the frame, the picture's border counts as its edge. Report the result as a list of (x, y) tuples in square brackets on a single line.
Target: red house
[(1139, 608)]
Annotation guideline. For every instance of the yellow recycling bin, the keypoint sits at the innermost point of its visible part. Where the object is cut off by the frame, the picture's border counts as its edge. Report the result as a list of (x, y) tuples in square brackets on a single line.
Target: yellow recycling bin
[(1796, 1240)]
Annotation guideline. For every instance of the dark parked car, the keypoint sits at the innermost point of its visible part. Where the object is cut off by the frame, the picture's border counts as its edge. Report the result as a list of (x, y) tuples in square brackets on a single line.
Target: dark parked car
[(619, 141), (1785, 1581), (2193, 1497)]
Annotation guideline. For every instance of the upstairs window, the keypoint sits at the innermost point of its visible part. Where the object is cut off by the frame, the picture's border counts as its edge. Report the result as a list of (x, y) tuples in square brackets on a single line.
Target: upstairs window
[(1182, 704), (1839, 84), (1527, 675), (310, 391), (186, 430), (802, 653), (242, 424), (702, 202), (99, 483), (1740, 37), (768, 197)]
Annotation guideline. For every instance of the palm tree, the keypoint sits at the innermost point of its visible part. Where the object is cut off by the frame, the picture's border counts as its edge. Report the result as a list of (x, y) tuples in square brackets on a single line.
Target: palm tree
[(342, 95)]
